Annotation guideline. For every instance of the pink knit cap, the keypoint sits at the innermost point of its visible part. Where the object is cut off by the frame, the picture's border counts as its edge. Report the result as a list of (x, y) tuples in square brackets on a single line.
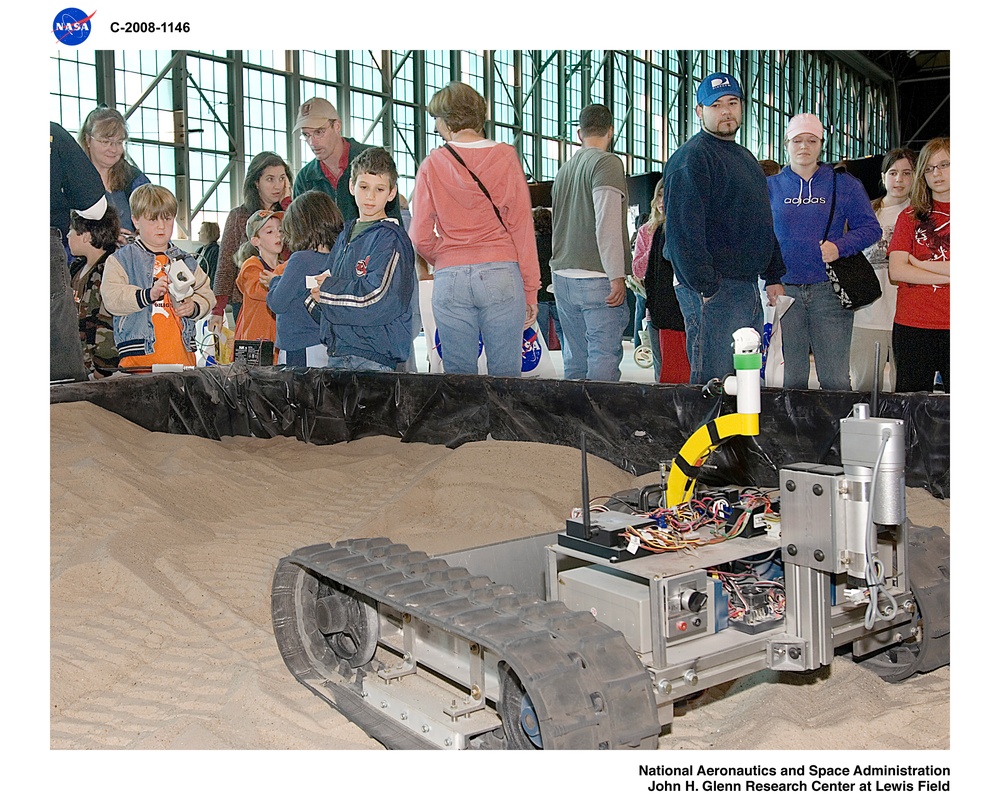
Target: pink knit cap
[(804, 123)]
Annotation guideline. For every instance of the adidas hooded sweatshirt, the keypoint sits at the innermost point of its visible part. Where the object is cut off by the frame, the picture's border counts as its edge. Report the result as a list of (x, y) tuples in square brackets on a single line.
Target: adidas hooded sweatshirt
[(801, 209)]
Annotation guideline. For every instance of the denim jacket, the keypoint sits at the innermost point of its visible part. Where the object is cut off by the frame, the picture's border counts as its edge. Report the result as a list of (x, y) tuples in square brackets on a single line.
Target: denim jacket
[(128, 278)]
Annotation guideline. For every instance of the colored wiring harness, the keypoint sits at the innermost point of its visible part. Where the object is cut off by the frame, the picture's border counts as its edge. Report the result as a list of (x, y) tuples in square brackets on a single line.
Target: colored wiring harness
[(697, 522)]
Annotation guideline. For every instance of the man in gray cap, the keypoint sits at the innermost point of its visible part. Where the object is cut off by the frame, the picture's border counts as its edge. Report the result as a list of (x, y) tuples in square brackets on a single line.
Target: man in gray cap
[(719, 233), (330, 171)]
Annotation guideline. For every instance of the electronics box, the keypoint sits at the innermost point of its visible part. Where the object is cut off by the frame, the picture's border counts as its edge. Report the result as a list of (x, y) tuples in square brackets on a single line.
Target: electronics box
[(613, 598), (253, 353)]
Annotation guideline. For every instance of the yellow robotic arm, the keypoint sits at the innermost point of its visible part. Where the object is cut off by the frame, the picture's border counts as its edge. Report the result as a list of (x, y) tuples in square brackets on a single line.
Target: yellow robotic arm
[(745, 422), (684, 468)]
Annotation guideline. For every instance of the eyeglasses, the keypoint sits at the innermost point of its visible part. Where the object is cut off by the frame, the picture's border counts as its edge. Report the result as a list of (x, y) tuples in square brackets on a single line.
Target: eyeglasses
[(943, 166), (109, 142), (318, 132)]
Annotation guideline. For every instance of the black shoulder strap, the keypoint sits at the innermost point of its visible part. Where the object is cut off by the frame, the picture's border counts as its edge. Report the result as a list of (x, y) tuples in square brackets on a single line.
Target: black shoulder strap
[(475, 177), (833, 205)]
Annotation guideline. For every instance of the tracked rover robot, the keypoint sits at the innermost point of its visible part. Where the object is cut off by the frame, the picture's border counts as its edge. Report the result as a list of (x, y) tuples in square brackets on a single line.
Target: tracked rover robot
[(587, 638)]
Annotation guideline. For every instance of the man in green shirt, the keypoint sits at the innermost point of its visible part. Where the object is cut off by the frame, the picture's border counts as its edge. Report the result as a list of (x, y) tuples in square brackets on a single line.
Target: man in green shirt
[(330, 171), (590, 252)]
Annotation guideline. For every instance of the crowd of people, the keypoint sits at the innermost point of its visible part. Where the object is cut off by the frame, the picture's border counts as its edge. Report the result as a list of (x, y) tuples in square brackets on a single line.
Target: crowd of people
[(732, 226), (325, 265)]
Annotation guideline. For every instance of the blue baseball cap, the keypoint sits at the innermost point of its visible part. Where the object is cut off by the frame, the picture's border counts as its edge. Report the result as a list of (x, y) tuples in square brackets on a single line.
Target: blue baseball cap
[(717, 85)]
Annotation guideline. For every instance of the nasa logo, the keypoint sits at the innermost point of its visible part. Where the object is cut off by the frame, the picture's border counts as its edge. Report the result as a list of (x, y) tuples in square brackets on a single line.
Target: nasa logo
[(531, 354), (437, 343), (765, 340), (71, 26)]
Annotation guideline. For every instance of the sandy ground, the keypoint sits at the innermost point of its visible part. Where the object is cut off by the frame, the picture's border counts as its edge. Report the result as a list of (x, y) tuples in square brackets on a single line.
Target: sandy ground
[(162, 553)]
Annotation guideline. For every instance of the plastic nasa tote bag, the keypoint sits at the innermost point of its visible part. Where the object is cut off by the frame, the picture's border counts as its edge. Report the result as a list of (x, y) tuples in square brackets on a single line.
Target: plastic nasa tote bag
[(773, 370), (535, 359)]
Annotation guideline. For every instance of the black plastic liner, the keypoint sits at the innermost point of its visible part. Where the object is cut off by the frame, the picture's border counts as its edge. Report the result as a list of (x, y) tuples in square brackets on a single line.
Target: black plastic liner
[(632, 425)]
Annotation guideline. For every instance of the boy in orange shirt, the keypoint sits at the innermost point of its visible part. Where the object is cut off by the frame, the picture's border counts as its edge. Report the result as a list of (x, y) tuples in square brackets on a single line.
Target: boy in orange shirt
[(260, 265), (153, 323)]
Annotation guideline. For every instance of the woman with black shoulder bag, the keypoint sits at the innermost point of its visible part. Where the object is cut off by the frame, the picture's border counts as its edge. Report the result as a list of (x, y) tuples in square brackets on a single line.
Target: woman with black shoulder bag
[(820, 216)]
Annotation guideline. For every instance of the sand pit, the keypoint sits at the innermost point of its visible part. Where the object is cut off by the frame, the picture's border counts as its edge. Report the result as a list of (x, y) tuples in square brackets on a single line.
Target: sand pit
[(162, 553)]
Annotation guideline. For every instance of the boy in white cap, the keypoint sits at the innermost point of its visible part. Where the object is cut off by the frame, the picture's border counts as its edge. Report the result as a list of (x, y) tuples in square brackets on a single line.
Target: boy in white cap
[(719, 234), (320, 126)]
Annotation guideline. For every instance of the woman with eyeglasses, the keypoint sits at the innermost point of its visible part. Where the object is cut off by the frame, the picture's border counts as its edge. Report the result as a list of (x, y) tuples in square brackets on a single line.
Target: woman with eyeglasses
[(102, 137), (920, 264), (873, 323), (267, 186)]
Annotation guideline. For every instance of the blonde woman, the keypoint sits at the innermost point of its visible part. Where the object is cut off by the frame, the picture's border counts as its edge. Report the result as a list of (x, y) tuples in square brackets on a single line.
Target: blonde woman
[(102, 137), (666, 322), (920, 264), (637, 280)]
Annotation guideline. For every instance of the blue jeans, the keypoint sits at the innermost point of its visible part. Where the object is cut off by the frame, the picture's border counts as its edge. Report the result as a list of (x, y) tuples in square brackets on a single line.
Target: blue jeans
[(654, 346), (592, 330), (735, 305), (640, 316), (480, 299), (357, 364), (817, 321), (547, 311), (690, 304)]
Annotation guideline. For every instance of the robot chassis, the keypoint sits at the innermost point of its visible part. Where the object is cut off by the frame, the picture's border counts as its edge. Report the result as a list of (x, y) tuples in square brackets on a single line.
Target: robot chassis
[(579, 640)]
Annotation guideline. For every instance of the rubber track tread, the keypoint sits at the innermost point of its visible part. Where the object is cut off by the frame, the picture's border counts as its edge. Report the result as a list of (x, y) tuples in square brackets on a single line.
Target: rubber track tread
[(588, 688)]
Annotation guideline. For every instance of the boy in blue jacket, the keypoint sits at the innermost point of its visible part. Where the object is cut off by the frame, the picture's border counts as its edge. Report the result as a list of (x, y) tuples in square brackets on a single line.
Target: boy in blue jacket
[(364, 306)]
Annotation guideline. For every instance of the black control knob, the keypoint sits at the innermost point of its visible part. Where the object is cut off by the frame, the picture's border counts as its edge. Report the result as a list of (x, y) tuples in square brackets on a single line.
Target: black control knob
[(693, 600)]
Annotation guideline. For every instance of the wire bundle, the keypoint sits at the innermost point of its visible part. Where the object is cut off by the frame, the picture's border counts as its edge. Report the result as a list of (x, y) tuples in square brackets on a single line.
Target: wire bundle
[(677, 528), (753, 595), (684, 526)]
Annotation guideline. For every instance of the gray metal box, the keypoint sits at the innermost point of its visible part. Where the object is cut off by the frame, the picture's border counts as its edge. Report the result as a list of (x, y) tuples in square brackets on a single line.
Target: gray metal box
[(616, 600), (813, 527)]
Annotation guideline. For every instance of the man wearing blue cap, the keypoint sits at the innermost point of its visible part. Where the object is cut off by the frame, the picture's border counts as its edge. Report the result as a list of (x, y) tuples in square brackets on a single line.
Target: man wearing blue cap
[(719, 233)]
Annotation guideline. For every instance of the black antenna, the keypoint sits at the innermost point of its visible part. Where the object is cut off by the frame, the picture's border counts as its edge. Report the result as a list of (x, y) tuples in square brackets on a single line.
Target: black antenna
[(877, 379), (585, 485)]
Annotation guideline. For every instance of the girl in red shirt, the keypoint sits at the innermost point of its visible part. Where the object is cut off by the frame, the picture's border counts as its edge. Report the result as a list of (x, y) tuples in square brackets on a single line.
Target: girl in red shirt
[(920, 262)]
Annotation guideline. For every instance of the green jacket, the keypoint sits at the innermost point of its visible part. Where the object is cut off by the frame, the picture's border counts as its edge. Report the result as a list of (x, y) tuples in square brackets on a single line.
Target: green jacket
[(311, 177)]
